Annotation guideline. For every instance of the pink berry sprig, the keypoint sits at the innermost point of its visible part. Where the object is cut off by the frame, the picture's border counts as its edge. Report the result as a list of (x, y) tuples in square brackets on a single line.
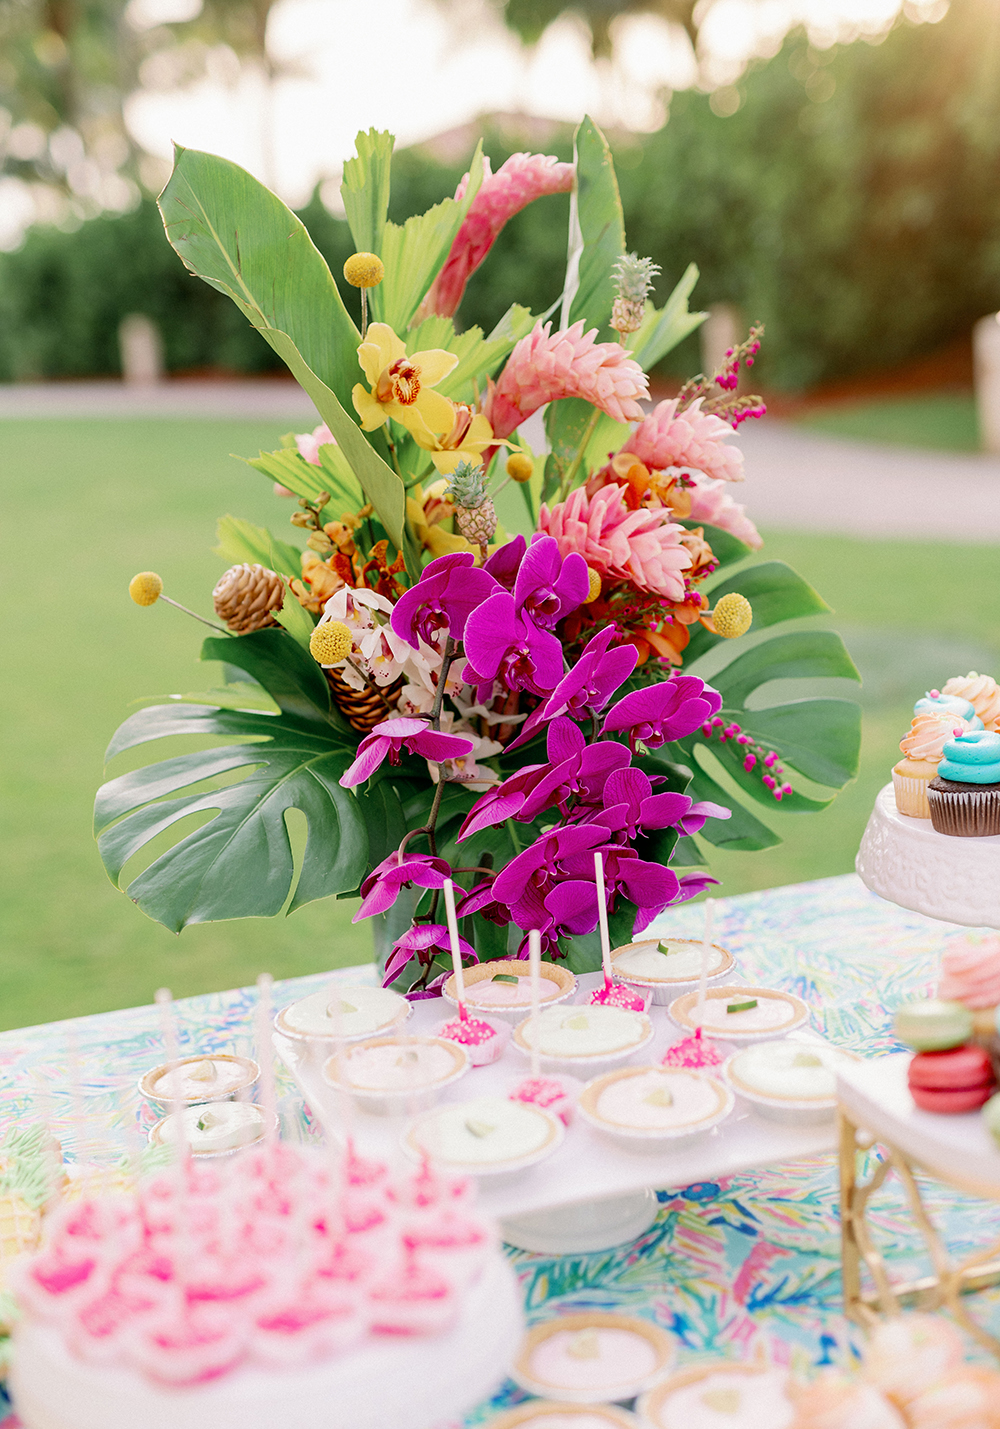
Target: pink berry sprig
[(717, 392), (754, 755)]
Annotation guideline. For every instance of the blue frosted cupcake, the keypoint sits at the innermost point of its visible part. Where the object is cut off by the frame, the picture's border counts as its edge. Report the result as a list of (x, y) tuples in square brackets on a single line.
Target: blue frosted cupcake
[(964, 799), (934, 702)]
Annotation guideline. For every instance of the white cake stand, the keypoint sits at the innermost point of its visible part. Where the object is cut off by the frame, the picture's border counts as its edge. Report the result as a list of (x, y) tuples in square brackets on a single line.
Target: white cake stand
[(908, 862)]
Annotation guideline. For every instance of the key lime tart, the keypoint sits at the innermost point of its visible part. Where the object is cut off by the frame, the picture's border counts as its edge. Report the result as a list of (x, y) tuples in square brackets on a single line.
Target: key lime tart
[(593, 1356), (396, 1074), (649, 1105), (665, 966), (789, 1081), (282, 1288), (714, 1396), (503, 988), (212, 1129), (217, 1077), (741, 1014), (486, 1136), (585, 1040), (561, 1414), (340, 1012)]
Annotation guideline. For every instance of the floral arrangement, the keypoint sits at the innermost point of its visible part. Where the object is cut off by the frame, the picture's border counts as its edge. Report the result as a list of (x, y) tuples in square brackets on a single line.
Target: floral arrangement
[(482, 666)]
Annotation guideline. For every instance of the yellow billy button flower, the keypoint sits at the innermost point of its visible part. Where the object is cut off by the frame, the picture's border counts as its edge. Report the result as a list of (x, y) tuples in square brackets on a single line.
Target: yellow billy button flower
[(732, 616), (145, 588), (330, 642), (401, 386), (595, 585), (364, 270), (466, 438), (520, 467)]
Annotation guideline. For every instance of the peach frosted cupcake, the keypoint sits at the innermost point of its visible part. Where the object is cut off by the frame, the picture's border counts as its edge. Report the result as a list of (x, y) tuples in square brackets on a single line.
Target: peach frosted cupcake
[(982, 693), (922, 751)]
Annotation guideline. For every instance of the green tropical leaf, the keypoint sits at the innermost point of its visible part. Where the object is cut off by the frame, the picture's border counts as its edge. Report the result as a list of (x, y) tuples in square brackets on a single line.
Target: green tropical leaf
[(775, 592), (333, 475), (663, 329), (365, 189), (287, 672), (295, 619), (241, 239), (566, 425), (726, 548), (414, 253), (596, 232), (731, 756), (742, 830), (239, 541), (820, 738), (380, 807), (798, 655)]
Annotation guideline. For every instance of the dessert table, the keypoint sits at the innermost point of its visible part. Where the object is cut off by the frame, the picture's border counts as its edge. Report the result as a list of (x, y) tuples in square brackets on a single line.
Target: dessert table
[(732, 1264)]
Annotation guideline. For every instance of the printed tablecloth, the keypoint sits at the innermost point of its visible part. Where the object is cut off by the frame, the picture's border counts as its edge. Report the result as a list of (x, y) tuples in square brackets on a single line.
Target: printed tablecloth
[(729, 1268)]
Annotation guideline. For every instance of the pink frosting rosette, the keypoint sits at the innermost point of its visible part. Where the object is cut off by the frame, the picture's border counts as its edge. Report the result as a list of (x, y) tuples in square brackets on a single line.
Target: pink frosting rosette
[(928, 734), (981, 691)]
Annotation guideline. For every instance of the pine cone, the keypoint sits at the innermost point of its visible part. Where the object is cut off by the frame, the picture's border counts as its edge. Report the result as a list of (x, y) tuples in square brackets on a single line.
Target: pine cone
[(245, 597)]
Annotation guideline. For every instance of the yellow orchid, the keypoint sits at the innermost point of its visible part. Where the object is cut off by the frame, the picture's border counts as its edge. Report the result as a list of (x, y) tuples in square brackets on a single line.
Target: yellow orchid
[(464, 439), (401, 386)]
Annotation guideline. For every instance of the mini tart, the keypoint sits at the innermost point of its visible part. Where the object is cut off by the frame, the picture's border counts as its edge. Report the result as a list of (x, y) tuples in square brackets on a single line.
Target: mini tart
[(563, 1414), (228, 1127), (632, 1103), (776, 1014), (234, 1075), (788, 1080), (363, 1012), (723, 1406), (514, 1010), (487, 1136), (585, 1037), (421, 1067), (593, 1356), (686, 951)]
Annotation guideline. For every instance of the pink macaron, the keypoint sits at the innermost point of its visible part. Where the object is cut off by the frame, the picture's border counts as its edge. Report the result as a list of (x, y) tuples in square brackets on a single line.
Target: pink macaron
[(960, 1079)]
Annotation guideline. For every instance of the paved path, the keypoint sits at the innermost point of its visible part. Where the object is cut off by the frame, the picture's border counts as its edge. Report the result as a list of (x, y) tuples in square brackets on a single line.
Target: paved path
[(796, 479)]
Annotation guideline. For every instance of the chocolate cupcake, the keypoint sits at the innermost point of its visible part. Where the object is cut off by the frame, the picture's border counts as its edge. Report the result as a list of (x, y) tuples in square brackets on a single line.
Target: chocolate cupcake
[(964, 799)]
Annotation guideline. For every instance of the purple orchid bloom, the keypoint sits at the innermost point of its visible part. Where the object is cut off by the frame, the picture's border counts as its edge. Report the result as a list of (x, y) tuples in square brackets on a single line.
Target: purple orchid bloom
[(505, 563), (664, 712), (448, 591), (381, 888), (523, 885), (692, 884), (581, 773), (503, 801), (481, 900), (650, 886), (388, 738), (631, 807), (586, 689), (549, 585), (427, 938), (502, 644), (693, 820)]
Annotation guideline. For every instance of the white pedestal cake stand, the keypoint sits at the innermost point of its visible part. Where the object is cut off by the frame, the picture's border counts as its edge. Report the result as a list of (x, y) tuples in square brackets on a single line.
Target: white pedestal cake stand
[(590, 1194), (908, 862)]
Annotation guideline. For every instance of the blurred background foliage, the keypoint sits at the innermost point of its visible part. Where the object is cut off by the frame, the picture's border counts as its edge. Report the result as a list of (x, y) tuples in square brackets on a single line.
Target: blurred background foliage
[(847, 197)]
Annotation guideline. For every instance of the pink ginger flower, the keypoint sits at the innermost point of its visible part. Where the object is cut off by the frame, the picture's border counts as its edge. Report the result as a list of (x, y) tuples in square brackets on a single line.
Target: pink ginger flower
[(640, 546), (518, 182), (692, 439), (545, 366), (309, 443), (711, 502)]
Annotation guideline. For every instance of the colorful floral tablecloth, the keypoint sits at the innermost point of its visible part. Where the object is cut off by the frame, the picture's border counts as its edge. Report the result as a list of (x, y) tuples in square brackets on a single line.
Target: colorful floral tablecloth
[(729, 1268)]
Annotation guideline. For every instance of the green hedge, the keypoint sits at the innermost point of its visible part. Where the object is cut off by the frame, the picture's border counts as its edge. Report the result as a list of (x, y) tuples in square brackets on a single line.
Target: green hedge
[(852, 202)]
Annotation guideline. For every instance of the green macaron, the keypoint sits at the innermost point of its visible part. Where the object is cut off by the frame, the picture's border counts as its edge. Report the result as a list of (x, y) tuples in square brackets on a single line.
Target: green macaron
[(933, 1026), (991, 1116)]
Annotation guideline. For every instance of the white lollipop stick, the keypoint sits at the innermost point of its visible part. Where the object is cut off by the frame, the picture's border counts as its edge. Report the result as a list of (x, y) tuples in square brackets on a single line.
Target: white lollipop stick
[(706, 943), (265, 1056), (168, 1027), (535, 969), (602, 916), (456, 951)]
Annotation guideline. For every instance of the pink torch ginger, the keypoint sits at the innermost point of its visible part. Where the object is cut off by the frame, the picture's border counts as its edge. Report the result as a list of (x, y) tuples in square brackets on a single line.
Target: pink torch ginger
[(546, 365), (711, 502), (641, 546), (692, 438), (523, 178)]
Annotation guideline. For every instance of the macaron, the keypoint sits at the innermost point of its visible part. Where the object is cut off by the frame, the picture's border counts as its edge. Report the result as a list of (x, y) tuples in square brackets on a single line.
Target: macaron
[(933, 1025), (956, 1080), (991, 1116)]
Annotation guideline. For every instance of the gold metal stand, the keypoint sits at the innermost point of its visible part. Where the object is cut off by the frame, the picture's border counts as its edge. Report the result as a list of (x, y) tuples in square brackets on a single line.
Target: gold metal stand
[(942, 1289)]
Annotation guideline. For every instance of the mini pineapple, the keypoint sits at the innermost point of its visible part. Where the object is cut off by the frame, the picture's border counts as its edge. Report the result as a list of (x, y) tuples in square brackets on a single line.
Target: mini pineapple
[(633, 281), (245, 597), (475, 515)]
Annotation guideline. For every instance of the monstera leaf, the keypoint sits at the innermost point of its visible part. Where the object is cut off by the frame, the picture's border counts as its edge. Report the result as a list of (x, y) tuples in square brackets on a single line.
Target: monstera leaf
[(239, 863)]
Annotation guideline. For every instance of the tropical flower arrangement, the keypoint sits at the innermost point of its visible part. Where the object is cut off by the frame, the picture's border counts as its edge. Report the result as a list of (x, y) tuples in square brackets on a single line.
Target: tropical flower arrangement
[(490, 660)]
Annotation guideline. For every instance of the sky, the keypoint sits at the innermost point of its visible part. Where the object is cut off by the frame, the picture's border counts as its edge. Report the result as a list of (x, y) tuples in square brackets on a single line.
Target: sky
[(427, 67)]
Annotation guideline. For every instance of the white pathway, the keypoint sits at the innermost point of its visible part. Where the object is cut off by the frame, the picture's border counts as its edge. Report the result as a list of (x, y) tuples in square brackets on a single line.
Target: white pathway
[(795, 479)]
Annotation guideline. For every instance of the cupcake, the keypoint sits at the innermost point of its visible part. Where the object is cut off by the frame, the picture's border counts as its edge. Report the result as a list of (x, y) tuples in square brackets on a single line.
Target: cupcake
[(970, 974), (922, 748), (908, 1353), (934, 702), (982, 693), (964, 798)]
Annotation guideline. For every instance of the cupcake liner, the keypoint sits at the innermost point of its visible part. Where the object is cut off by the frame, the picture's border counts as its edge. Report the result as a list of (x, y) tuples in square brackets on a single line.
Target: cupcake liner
[(971, 811), (911, 795)]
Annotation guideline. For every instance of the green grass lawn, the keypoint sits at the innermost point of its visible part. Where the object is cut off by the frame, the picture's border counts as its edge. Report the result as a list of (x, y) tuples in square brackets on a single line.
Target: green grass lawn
[(940, 421), (88, 503)]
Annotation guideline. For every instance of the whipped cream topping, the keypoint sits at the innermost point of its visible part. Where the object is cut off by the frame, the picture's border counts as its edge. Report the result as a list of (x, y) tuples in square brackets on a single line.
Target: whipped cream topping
[(928, 735), (490, 993), (767, 1013), (658, 1100), (678, 961), (600, 1358), (485, 1131), (202, 1079), (394, 1066), (340, 1010), (724, 1399), (585, 1031)]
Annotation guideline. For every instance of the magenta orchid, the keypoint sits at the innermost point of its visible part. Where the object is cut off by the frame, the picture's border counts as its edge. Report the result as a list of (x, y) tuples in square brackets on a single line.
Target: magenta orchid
[(444, 597), (503, 644), (393, 735), (400, 870), (549, 585), (662, 713), (423, 941), (585, 690)]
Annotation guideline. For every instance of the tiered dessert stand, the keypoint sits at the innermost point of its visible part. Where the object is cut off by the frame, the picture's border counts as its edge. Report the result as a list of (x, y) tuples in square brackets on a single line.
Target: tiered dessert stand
[(957, 880)]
